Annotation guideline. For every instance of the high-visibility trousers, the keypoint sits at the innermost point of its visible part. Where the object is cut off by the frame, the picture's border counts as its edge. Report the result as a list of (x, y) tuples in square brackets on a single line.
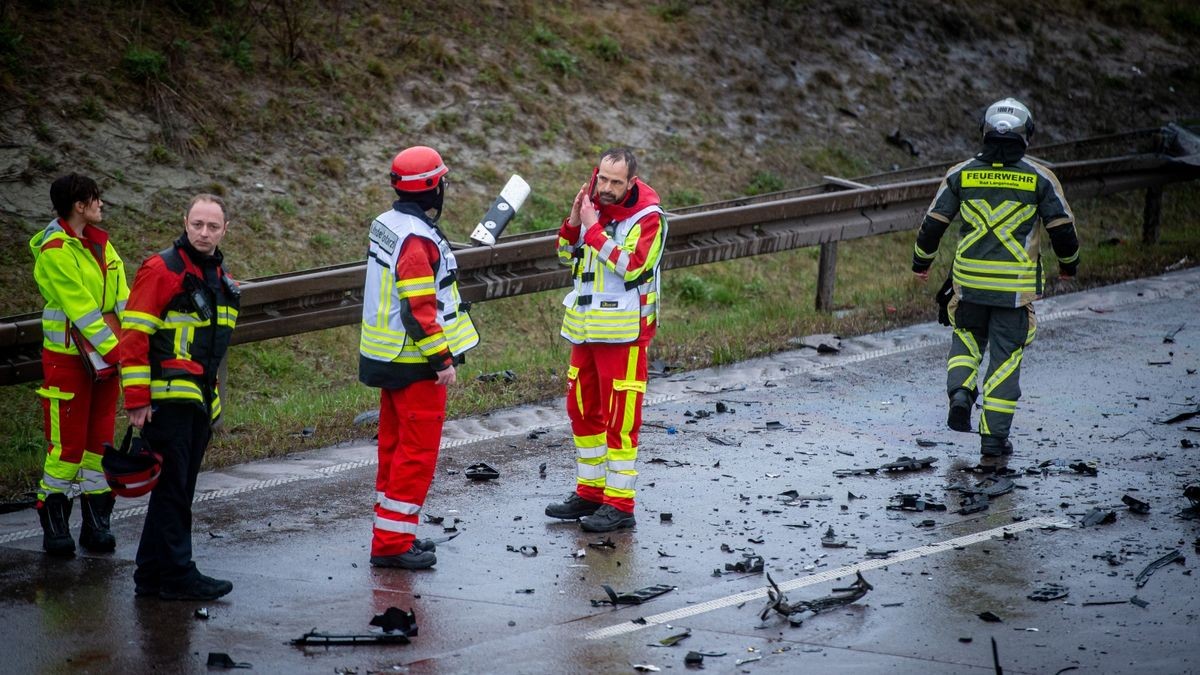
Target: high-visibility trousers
[(606, 384), (78, 419), (410, 433), (1005, 332)]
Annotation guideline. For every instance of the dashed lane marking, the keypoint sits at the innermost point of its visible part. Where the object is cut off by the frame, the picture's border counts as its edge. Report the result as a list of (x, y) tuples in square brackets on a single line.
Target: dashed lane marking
[(829, 575)]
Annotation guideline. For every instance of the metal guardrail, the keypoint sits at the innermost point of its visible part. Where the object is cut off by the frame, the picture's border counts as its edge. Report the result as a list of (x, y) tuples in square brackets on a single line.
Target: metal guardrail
[(304, 301)]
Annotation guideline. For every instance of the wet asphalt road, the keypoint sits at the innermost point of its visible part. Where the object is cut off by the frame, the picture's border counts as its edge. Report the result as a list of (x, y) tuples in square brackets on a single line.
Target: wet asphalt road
[(293, 534)]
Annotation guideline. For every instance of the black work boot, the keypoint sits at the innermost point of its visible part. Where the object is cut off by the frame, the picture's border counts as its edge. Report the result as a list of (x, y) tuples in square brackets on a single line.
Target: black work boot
[(994, 446), (425, 545), (95, 535), (196, 587), (412, 559), (572, 507), (959, 418), (606, 519), (55, 514)]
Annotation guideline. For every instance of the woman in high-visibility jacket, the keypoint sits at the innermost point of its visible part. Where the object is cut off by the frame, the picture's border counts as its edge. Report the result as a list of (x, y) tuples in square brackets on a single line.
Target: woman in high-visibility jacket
[(83, 282)]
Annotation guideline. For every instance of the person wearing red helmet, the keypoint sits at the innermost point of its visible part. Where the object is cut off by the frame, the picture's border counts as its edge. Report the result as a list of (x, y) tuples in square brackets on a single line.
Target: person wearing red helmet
[(175, 330), (415, 330), (613, 241)]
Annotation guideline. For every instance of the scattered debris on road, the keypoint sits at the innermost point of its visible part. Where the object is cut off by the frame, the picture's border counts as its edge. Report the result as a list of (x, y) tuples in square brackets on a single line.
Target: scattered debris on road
[(901, 464), (1047, 592), (796, 612), (1144, 575), (631, 597), (223, 660)]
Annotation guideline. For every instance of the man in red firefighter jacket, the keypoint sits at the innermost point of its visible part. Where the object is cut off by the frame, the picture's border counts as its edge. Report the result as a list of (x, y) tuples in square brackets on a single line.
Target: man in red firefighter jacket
[(82, 280), (613, 241), (415, 329), (175, 331)]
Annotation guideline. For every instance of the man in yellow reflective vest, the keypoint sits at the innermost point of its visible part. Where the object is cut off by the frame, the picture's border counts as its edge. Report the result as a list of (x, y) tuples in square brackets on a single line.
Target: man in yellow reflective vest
[(82, 280), (415, 330), (613, 241), (1000, 195)]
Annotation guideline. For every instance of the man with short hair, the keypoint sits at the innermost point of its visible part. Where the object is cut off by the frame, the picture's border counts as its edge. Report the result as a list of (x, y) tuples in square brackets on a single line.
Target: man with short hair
[(82, 280), (175, 332), (613, 241), (1000, 195)]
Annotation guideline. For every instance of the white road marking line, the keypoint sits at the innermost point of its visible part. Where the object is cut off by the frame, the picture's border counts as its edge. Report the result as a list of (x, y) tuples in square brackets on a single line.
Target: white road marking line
[(828, 575)]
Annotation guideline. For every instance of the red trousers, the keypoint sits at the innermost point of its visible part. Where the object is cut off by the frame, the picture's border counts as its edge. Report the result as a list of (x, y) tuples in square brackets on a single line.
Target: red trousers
[(410, 434), (606, 384), (78, 416)]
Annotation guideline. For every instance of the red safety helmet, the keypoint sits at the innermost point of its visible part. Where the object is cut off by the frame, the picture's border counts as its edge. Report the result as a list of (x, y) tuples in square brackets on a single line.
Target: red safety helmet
[(133, 469), (417, 169)]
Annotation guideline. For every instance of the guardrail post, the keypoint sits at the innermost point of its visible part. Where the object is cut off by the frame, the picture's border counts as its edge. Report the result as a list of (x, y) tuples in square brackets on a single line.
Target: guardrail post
[(1152, 215), (826, 274)]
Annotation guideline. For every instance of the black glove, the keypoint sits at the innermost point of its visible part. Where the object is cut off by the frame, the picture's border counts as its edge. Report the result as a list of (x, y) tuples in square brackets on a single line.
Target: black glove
[(943, 296)]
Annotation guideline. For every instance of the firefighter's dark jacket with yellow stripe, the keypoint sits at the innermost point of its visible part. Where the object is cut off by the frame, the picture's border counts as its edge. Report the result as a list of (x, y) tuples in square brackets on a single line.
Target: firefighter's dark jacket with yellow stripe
[(176, 328), (998, 260), (414, 321), (614, 266), (79, 285)]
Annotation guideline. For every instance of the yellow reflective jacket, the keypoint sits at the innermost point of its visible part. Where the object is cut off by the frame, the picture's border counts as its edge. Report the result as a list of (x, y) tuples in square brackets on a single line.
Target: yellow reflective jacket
[(76, 288)]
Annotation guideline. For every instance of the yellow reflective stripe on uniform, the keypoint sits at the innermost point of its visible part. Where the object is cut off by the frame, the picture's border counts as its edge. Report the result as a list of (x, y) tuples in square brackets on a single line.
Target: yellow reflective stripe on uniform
[(999, 405), (992, 178), (588, 471), (995, 283), (175, 390), (432, 345), (920, 253), (1000, 374), (617, 483), (135, 376), (996, 266), (417, 287), (140, 321)]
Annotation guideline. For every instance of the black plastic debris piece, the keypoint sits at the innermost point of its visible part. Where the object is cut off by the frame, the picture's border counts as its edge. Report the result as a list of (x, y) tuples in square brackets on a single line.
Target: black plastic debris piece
[(909, 464), (1153, 567), (1181, 417), (1169, 338), (915, 502), (481, 471), (223, 660), (992, 486), (880, 554), (431, 519), (773, 425), (1085, 468), (1186, 444), (664, 554), (1135, 600), (1192, 493), (542, 470), (1135, 505), (1097, 603), (749, 564), (721, 440), (755, 540), (527, 591), (974, 503), (1099, 516), (801, 525), (693, 659), (672, 640), (667, 462), (990, 617), (925, 443), (505, 376), (525, 550), (926, 523), (395, 620), (795, 612), (632, 597), (1113, 559), (721, 407), (1047, 592), (660, 368), (603, 543), (314, 638), (830, 540), (664, 517), (792, 498)]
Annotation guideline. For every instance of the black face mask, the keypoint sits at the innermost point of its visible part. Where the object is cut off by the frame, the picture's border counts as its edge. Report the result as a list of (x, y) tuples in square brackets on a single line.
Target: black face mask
[(1002, 150), (429, 200)]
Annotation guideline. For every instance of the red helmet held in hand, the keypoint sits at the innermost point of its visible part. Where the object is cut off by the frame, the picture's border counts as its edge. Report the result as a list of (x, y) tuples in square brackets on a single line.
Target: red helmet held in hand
[(132, 470)]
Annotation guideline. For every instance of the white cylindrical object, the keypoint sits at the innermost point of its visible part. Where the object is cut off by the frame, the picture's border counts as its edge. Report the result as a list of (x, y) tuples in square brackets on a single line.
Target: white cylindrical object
[(511, 198)]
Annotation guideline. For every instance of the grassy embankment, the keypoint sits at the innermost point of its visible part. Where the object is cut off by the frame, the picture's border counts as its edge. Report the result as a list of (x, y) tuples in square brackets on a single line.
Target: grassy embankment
[(715, 314)]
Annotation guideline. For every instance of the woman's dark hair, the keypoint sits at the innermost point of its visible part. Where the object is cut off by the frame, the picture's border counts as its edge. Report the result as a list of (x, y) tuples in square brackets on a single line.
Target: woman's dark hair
[(69, 189)]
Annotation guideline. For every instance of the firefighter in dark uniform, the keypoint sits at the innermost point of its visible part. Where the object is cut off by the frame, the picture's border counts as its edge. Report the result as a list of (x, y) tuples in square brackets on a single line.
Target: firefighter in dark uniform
[(175, 330), (1000, 196)]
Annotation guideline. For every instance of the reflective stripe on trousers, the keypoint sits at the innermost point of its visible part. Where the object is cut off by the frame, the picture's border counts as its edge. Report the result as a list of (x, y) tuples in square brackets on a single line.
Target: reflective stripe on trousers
[(606, 384), (1004, 332), (78, 416)]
